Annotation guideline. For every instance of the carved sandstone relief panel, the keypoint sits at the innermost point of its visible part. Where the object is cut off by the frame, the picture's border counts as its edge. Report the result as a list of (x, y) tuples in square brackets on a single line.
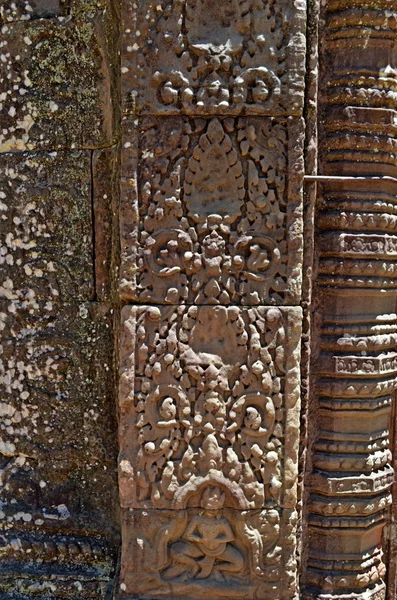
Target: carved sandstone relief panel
[(211, 245), (209, 432), (200, 57), (210, 552), (217, 218)]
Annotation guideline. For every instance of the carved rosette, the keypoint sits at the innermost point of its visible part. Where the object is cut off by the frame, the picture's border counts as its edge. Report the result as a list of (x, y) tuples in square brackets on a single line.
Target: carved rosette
[(354, 354)]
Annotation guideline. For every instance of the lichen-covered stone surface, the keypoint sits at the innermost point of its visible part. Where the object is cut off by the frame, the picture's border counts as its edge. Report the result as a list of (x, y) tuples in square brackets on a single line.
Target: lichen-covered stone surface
[(46, 227), (26, 10), (56, 83), (57, 442), (59, 527)]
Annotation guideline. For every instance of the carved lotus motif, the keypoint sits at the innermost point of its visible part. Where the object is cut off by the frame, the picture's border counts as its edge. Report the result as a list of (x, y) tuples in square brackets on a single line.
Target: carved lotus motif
[(214, 182)]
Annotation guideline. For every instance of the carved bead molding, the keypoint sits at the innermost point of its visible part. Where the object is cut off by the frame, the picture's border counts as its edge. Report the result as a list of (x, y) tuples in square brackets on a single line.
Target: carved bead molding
[(354, 362)]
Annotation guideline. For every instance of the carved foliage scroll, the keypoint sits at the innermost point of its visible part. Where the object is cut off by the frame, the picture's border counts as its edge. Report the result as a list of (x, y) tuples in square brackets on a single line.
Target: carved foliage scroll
[(204, 58), (218, 216), (209, 434), (211, 251)]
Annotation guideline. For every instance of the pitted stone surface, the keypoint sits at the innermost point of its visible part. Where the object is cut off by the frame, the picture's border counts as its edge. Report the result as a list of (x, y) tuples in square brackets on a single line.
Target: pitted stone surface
[(58, 193), (56, 379), (25, 10), (53, 89), (58, 446), (46, 226)]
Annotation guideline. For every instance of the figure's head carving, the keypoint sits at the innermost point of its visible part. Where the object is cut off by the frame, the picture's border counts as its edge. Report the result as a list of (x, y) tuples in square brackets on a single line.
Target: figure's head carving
[(212, 498)]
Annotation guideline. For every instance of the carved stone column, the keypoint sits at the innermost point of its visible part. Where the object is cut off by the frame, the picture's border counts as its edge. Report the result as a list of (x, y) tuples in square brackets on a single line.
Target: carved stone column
[(354, 354), (211, 228)]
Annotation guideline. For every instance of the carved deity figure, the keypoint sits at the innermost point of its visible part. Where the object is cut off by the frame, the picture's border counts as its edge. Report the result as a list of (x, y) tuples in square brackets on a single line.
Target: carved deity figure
[(205, 548), (215, 29), (158, 443)]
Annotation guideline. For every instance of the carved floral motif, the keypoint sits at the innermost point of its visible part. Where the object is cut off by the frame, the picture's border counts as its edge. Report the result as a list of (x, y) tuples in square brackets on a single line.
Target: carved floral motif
[(215, 389), (219, 214), (200, 57)]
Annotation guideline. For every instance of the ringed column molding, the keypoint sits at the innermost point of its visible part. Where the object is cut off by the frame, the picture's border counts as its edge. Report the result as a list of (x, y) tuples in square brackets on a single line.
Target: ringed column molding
[(354, 360)]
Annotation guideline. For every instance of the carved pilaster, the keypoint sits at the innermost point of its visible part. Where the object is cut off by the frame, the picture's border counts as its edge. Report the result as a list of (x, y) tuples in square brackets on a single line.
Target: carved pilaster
[(211, 248), (354, 361), (209, 400)]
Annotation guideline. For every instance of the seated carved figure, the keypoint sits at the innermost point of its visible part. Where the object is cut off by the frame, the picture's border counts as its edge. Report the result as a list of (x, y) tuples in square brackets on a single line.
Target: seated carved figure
[(205, 548)]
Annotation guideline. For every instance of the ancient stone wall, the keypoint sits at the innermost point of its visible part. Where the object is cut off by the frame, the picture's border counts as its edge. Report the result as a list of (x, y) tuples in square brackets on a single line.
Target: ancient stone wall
[(58, 179), (197, 215)]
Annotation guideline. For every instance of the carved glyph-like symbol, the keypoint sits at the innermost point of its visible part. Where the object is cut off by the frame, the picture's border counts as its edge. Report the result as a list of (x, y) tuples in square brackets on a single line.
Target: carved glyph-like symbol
[(165, 250), (260, 254)]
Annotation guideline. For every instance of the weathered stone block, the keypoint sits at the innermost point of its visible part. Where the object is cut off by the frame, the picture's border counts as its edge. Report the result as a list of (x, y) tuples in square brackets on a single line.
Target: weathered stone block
[(46, 226), (55, 88), (201, 57), (218, 214), (24, 10), (209, 396), (57, 434), (212, 552)]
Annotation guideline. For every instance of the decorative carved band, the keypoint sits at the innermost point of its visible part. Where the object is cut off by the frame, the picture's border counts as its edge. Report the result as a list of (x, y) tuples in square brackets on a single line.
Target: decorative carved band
[(354, 379), (354, 362)]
